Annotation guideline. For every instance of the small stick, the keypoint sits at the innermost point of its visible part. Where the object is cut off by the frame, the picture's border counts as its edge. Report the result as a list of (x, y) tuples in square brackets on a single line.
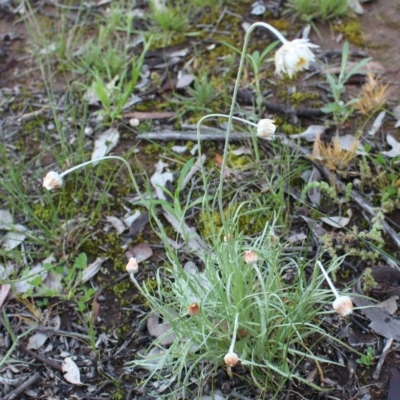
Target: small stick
[(62, 333), (22, 388), (175, 135), (51, 363), (382, 358)]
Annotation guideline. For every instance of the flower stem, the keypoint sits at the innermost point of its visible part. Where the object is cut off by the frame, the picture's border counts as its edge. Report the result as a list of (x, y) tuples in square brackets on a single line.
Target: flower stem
[(135, 185), (235, 328), (233, 104), (335, 292)]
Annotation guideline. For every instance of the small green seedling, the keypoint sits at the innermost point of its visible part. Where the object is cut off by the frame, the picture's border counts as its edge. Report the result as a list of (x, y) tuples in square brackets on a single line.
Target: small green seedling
[(367, 358)]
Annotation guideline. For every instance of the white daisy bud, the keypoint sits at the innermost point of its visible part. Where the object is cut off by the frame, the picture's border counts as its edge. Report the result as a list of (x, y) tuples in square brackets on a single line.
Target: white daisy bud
[(231, 359), (52, 180), (266, 128), (250, 257), (343, 305), (294, 56), (134, 122), (132, 267)]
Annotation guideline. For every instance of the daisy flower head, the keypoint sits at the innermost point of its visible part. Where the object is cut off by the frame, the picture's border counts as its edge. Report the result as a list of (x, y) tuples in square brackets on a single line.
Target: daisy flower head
[(294, 56)]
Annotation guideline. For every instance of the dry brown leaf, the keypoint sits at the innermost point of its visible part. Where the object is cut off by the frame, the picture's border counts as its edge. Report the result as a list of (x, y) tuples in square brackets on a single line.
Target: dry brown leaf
[(36, 341), (157, 329), (311, 133), (4, 290), (71, 371), (141, 252), (116, 223), (395, 151), (338, 222), (390, 304), (105, 142), (382, 322), (6, 220), (92, 269)]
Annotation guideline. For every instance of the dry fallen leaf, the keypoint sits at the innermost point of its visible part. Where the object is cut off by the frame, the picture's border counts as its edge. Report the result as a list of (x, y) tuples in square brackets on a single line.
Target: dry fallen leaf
[(105, 142), (6, 220), (141, 252), (24, 285), (314, 194), (377, 123), (390, 304), (13, 239), (184, 80), (157, 329), (116, 223), (219, 162), (71, 371), (394, 386), (395, 151), (311, 133), (382, 322), (36, 341), (92, 269), (338, 222), (396, 114), (4, 290), (315, 227)]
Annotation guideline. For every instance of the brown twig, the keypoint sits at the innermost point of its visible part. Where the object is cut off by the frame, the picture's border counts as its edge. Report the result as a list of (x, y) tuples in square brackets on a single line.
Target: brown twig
[(22, 388), (51, 363)]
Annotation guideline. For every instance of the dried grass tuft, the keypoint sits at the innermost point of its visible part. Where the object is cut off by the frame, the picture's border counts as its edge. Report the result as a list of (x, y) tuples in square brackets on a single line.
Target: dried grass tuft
[(331, 155), (373, 95)]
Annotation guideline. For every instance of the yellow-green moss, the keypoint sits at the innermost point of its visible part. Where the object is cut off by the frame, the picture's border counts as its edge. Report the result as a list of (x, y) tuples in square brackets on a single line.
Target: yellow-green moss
[(248, 223), (280, 24), (290, 129), (353, 31), (298, 97)]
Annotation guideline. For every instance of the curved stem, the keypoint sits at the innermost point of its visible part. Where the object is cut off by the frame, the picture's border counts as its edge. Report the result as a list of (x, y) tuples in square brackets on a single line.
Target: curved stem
[(335, 292), (235, 328), (101, 159), (233, 104)]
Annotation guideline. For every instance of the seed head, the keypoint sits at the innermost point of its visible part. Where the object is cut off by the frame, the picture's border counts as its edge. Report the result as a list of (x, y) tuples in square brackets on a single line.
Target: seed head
[(52, 180), (194, 309), (231, 359), (132, 267), (250, 257), (343, 305)]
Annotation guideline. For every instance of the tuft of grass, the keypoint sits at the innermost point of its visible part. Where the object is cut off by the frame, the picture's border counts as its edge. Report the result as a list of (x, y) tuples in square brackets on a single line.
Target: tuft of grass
[(320, 9), (169, 19), (272, 320)]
